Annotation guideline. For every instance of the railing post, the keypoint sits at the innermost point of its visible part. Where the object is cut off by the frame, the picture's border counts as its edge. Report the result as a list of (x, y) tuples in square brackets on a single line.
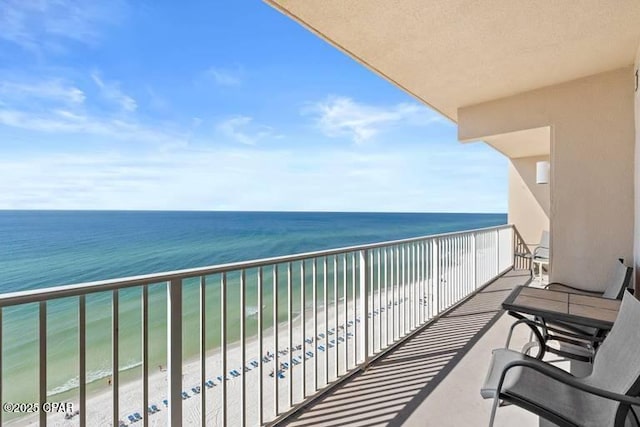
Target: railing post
[(475, 260), (203, 347), (144, 321), (243, 349), (435, 277), (42, 332), (517, 260), (82, 356), (497, 252), (115, 353), (276, 366), (512, 247), (1, 363), (174, 352), (364, 305)]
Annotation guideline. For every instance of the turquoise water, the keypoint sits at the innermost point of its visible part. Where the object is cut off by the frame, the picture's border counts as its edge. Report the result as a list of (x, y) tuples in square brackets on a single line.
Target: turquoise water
[(48, 248)]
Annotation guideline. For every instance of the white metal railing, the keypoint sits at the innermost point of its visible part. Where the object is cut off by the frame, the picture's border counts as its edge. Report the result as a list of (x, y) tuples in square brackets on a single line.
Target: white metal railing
[(283, 328)]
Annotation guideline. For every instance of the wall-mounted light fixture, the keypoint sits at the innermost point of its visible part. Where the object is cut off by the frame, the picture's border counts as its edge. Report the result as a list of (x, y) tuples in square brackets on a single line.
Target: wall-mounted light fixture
[(542, 172)]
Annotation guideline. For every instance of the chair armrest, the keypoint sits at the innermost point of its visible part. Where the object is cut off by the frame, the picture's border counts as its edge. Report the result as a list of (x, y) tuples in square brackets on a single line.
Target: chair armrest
[(533, 324), (556, 286), (568, 379)]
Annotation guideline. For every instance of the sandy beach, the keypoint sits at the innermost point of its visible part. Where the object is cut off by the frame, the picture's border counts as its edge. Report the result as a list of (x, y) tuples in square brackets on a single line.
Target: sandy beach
[(337, 338)]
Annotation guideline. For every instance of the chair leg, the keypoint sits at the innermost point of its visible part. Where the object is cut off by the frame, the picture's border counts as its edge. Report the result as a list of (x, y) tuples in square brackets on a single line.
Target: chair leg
[(540, 273), (531, 267), (496, 401)]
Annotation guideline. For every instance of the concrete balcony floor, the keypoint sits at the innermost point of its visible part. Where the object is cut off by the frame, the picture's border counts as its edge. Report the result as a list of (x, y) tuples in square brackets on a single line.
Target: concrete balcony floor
[(434, 378)]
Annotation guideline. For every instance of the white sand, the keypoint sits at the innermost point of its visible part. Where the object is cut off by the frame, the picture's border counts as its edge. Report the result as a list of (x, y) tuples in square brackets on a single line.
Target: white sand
[(99, 408)]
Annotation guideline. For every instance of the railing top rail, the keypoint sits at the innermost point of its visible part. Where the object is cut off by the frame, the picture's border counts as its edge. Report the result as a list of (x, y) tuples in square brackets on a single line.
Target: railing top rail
[(36, 295)]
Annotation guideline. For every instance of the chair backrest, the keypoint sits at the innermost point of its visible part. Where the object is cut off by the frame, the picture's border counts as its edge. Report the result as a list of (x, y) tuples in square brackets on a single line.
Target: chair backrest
[(619, 282), (616, 366), (542, 250)]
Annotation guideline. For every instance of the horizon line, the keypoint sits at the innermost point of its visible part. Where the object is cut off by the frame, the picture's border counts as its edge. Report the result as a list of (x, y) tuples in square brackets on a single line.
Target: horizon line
[(241, 211)]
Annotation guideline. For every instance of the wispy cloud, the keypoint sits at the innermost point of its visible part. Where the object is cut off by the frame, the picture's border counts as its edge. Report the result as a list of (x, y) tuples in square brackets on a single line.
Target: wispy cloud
[(56, 106), (226, 76), (79, 123), (52, 90), (241, 129), (111, 91), (342, 116), (49, 24)]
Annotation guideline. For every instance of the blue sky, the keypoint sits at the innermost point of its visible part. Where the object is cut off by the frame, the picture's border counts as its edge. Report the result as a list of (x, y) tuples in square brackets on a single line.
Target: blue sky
[(215, 106)]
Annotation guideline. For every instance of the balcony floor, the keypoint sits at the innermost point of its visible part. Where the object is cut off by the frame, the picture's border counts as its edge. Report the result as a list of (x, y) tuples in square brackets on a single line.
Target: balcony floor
[(434, 378)]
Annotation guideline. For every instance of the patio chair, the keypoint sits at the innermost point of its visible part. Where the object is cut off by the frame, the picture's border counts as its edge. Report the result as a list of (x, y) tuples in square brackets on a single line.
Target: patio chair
[(580, 342), (615, 289), (540, 255), (603, 398)]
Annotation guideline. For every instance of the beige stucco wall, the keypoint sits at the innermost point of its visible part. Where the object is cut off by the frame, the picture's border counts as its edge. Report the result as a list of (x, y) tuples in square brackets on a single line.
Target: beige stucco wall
[(637, 177), (592, 167), (529, 203)]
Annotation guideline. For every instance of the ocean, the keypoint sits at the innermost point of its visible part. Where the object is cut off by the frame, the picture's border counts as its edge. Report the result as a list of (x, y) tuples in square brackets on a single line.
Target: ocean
[(41, 249)]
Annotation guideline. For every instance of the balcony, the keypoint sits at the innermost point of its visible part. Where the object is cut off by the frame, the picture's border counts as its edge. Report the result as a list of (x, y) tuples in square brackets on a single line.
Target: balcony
[(364, 335), (434, 377)]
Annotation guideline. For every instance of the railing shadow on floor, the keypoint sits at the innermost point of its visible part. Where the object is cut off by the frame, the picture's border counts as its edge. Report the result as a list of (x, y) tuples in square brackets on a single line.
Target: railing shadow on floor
[(392, 387)]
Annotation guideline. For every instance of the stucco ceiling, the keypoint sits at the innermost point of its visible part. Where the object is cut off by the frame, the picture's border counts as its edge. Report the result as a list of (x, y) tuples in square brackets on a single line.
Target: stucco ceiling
[(455, 53), (525, 143)]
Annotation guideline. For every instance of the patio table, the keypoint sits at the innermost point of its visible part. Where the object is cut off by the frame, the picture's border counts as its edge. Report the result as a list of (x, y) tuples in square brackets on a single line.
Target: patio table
[(561, 307)]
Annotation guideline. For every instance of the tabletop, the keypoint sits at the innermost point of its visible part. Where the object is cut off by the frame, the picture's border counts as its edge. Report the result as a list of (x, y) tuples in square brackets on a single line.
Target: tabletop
[(560, 306)]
